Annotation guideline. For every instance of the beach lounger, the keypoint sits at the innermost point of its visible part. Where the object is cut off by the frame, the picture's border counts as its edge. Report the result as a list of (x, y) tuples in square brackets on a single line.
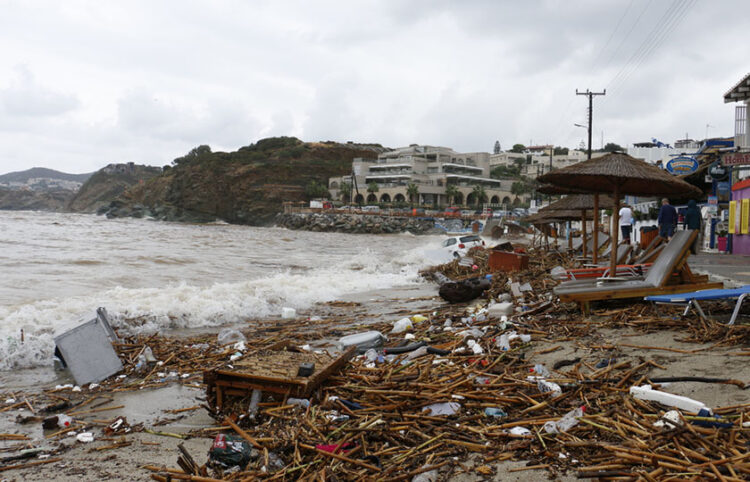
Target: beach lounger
[(660, 278), (692, 299)]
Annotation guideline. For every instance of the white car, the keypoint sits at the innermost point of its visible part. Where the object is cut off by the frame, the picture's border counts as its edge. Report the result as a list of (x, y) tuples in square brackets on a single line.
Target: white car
[(460, 245)]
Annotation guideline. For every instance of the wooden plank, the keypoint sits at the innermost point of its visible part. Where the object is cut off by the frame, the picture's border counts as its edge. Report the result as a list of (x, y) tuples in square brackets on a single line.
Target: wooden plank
[(638, 293)]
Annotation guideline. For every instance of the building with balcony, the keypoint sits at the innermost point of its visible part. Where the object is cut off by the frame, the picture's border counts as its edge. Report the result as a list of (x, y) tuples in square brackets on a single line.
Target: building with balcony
[(432, 169)]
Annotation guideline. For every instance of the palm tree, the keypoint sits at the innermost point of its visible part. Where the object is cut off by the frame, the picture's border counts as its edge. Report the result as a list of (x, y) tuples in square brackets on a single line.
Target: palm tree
[(451, 191), (346, 191), (479, 194), (412, 190)]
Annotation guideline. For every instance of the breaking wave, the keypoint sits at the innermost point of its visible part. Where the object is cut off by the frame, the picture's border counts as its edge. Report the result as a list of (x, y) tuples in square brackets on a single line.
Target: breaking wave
[(191, 305)]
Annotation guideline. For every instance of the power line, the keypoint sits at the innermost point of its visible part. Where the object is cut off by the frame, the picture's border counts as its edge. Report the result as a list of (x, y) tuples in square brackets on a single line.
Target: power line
[(627, 35), (661, 31), (611, 36)]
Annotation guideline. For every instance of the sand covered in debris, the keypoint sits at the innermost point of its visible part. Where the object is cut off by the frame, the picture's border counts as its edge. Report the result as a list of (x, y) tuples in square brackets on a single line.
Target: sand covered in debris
[(159, 409)]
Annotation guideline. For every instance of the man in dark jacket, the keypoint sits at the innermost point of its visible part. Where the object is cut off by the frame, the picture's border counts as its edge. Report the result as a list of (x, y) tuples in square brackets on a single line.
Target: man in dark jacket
[(667, 219), (693, 221)]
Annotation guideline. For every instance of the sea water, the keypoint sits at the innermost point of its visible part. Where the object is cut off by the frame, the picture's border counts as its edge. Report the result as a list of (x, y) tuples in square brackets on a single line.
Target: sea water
[(56, 269)]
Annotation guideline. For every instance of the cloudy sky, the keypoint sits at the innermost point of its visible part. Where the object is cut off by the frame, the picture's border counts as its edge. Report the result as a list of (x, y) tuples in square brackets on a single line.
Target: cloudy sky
[(83, 84)]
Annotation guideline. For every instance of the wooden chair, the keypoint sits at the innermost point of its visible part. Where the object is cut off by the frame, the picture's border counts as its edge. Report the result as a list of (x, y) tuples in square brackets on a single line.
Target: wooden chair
[(661, 278)]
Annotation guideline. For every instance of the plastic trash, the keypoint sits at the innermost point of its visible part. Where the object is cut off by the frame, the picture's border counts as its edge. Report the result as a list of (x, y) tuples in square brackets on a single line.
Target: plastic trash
[(482, 380), (525, 338), (671, 419), (541, 370), (683, 403), (445, 408), (402, 325), (363, 341), (64, 421), (300, 402), (520, 431), (419, 352), (57, 421), (149, 354), (335, 448), (419, 318), (494, 412), (230, 451), (503, 343), (606, 362), (718, 422), (254, 401), (497, 310), (229, 335), (141, 364), (429, 476), (568, 421), (475, 347), (350, 405), (371, 355), (549, 387), (475, 332), (335, 416), (85, 437), (287, 313), (559, 272)]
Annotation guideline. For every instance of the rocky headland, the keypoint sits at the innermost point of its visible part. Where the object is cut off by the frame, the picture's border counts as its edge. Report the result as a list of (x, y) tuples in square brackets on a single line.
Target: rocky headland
[(354, 223)]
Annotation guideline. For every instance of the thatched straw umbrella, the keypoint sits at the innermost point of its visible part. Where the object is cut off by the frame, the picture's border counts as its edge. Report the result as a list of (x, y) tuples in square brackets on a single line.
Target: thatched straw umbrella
[(547, 216), (619, 174), (584, 202)]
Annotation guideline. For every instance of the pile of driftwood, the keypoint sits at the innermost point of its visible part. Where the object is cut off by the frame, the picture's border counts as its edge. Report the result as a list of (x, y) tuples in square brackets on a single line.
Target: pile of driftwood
[(419, 411)]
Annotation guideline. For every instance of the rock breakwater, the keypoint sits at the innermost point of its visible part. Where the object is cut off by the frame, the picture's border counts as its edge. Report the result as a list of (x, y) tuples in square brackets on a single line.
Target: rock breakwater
[(354, 223)]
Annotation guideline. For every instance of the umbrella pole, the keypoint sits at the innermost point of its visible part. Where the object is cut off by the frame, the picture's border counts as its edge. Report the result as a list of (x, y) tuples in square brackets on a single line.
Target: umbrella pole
[(596, 229), (583, 231), (615, 232)]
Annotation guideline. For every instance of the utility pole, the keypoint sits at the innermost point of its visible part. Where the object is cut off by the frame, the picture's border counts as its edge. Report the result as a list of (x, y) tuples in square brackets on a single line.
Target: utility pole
[(591, 110)]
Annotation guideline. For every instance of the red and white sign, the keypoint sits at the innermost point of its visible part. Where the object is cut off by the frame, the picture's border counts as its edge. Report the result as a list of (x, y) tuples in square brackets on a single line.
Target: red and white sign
[(736, 159)]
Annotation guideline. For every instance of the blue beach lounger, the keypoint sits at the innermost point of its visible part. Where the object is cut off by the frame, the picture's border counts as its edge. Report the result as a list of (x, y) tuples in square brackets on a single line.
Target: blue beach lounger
[(692, 299)]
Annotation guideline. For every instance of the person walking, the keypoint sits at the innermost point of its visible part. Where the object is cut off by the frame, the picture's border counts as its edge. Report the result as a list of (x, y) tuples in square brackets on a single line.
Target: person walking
[(626, 223), (693, 221), (667, 219)]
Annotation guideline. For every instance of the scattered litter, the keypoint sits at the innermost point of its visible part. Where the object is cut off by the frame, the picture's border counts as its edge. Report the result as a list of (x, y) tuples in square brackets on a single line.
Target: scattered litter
[(445, 408), (85, 437)]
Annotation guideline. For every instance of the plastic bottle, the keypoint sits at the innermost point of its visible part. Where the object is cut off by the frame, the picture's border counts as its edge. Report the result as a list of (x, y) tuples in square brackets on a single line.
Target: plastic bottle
[(494, 412), (541, 370), (371, 355), (503, 343), (568, 421), (64, 421), (301, 402)]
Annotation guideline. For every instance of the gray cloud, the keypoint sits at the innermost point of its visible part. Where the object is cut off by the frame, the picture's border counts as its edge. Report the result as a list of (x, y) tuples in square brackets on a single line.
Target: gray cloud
[(147, 81), (25, 98)]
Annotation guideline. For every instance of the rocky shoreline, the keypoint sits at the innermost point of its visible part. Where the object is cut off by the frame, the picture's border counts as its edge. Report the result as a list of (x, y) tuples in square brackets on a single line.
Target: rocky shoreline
[(354, 223)]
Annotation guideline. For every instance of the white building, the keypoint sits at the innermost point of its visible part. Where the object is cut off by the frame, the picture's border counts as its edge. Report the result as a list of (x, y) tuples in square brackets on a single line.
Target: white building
[(656, 152), (432, 169)]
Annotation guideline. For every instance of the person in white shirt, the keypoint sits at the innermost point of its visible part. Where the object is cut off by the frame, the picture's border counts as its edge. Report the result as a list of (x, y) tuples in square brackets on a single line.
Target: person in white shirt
[(626, 223)]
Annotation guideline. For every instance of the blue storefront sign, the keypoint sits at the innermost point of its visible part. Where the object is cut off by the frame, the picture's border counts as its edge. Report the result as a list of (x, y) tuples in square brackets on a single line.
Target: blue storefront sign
[(682, 165), (722, 188)]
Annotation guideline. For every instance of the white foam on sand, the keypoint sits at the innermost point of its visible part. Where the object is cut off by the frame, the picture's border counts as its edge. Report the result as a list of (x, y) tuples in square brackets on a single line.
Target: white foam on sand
[(147, 310)]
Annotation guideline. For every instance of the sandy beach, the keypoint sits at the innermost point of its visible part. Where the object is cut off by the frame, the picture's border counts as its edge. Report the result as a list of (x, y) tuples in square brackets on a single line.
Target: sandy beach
[(174, 408)]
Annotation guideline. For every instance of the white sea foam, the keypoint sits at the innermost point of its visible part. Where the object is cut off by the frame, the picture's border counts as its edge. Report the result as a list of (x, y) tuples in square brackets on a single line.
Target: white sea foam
[(190, 305)]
